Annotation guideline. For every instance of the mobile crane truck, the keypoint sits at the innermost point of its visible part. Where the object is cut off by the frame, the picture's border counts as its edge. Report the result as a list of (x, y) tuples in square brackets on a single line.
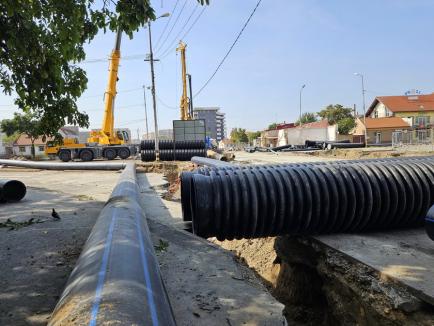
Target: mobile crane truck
[(103, 143)]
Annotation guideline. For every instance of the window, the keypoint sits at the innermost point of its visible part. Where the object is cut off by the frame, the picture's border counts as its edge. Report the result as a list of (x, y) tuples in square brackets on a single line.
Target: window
[(421, 121), (41, 148), (22, 149), (376, 113)]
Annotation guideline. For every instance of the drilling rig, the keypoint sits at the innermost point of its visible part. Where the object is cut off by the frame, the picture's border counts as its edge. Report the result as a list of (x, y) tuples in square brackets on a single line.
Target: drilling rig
[(186, 113)]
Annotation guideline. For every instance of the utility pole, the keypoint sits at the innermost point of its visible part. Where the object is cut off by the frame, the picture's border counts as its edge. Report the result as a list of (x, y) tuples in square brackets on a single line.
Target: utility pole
[(301, 90), (146, 112), (364, 106), (151, 59), (191, 96)]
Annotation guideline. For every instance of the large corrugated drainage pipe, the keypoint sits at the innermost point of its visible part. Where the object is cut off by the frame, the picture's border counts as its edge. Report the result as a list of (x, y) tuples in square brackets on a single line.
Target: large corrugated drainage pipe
[(116, 280), (312, 198)]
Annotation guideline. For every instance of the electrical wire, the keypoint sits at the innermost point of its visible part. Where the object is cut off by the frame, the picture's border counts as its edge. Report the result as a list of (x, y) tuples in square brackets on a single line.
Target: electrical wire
[(229, 51), (164, 104), (173, 26), (186, 33), (174, 40), (125, 58), (167, 24)]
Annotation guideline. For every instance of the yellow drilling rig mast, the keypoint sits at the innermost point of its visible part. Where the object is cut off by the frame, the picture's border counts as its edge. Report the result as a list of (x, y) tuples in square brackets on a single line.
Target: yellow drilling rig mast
[(185, 112)]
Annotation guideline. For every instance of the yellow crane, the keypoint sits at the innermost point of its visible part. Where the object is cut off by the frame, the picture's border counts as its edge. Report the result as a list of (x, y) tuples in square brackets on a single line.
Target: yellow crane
[(104, 142), (185, 112)]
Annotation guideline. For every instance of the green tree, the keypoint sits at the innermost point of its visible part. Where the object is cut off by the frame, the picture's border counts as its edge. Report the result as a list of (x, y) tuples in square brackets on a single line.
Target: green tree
[(238, 135), (253, 135), (41, 41), (26, 124), (272, 126), (306, 117), (338, 114)]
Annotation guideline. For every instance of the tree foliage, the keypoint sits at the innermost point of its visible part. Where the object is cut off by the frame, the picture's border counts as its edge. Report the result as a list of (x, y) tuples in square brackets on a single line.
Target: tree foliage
[(238, 135), (272, 126), (307, 117), (338, 114), (26, 124), (252, 135), (41, 42)]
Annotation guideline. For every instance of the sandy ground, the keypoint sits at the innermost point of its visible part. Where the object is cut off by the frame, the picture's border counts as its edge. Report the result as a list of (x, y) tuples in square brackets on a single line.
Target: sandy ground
[(36, 260)]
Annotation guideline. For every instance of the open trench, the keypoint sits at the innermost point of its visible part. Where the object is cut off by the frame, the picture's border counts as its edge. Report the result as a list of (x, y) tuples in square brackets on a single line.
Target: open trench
[(319, 285)]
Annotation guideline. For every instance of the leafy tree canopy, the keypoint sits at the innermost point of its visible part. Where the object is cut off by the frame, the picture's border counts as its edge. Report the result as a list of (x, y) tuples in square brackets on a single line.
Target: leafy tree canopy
[(338, 114), (307, 117), (42, 40), (272, 126), (238, 135), (253, 135), (26, 124)]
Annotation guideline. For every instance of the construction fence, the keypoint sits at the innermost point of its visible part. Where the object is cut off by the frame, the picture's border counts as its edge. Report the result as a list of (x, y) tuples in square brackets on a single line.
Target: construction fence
[(412, 138)]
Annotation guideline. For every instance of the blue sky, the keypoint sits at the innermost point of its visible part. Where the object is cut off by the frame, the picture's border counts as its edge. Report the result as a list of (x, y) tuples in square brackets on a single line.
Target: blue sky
[(287, 43)]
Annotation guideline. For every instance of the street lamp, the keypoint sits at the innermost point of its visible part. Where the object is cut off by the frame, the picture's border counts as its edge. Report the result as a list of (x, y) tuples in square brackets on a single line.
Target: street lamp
[(301, 90), (364, 106), (151, 60)]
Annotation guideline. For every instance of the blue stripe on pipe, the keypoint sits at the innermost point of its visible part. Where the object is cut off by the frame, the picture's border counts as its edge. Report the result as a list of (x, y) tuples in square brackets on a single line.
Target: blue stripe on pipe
[(102, 272), (149, 291)]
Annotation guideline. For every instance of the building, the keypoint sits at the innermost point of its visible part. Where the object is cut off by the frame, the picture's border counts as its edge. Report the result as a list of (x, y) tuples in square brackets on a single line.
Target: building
[(379, 130), (215, 121), (23, 146), (2, 145), (416, 110)]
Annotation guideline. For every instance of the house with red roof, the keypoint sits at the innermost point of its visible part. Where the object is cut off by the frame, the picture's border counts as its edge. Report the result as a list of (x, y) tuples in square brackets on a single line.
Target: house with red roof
[(410, 115)]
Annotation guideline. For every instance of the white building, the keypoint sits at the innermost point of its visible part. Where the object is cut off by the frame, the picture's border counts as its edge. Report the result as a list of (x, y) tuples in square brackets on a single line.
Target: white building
[(23, 146)]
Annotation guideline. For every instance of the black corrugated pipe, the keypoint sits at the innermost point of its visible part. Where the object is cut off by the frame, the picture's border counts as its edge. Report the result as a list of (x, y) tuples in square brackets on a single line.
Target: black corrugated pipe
[(117, 276), (11, 190), (313, 198)]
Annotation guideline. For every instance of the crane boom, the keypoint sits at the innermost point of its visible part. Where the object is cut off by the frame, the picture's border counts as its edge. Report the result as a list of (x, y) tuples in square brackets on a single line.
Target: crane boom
[(106, 135)]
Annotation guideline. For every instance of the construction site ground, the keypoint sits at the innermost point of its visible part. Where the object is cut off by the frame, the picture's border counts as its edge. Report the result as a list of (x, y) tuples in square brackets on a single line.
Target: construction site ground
[(206, 284), (370, 279)]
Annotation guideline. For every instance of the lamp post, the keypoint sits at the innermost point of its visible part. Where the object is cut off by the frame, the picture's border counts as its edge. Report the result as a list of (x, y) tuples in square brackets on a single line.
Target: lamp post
[(364, 106), (301, 91), (151, 60)]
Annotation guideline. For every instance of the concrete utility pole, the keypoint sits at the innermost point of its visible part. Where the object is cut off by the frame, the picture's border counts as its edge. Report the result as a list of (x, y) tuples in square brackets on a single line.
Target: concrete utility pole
[(146, 112), (151, 60), (301, 90), (364, 106)]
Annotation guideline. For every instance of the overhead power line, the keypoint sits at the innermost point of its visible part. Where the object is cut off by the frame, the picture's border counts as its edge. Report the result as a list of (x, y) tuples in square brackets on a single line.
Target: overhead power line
[(173, 26), (175, 39), (186, 33), (229, 51), (165, 105), (167, 24)]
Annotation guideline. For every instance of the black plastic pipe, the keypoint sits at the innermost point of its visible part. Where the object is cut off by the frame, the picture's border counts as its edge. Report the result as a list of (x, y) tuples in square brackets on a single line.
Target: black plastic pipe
[(117, 278), (11, 190), (64, 166), (311, 198)]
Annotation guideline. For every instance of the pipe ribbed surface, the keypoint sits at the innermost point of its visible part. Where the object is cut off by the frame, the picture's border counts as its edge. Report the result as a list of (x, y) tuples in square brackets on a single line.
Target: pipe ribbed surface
[(64, 166), (117, 278), (311, 198), (12, 190)]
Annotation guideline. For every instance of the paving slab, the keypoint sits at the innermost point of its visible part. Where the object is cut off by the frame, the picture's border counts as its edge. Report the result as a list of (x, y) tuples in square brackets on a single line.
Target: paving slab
[(404, 256)]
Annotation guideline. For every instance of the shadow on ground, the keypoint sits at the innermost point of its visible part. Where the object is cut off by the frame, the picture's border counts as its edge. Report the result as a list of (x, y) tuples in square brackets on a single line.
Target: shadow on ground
[(36, 260)]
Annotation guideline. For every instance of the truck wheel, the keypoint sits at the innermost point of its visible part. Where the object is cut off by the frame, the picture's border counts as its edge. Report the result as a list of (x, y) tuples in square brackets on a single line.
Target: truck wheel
[(86, 155), (124, 153), (65, 155), (110, 154)]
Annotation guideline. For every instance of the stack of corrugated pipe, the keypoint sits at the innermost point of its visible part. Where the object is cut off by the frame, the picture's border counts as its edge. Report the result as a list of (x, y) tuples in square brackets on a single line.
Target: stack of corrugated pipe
[(237, 202), (172, 150)]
